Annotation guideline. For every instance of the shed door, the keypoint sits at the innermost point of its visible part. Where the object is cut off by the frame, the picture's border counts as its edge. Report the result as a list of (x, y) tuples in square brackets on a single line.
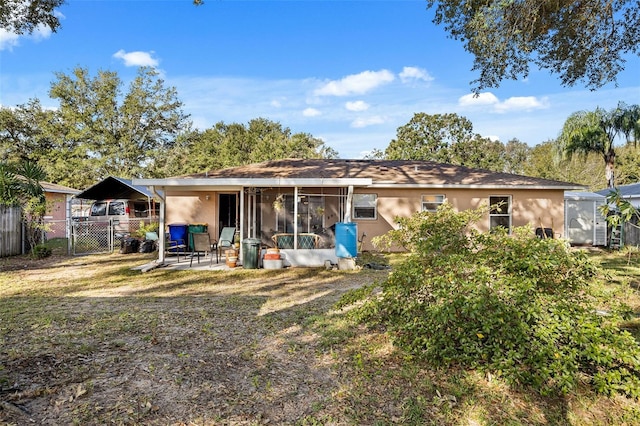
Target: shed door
[(580, 221), (600, 231)]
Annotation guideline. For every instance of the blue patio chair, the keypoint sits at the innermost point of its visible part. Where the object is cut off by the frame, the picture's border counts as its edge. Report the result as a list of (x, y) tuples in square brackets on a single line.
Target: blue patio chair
[(175, 246)]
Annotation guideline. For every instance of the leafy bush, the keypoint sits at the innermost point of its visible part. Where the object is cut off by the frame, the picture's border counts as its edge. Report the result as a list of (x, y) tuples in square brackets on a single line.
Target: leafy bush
[(516, 306), (143, 228), (40, 251)]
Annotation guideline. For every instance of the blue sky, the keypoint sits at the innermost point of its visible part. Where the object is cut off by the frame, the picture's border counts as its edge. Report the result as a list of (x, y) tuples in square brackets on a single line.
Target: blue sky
[(349, 72)]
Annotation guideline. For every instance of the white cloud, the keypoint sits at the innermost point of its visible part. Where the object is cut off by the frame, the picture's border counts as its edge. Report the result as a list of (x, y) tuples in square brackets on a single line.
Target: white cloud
[(486, 98), (519, 103), (409, 74), (356, 106), (8, 40), (276, 103), (355, 84), (42, 32), (136, 59), (516, 103), (365, 122), (311, 112)]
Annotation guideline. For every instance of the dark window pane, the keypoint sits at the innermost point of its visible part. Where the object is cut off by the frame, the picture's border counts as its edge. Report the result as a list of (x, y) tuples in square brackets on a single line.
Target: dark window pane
[(98, 209), (499, 205), (364, 213), (502, 221), (116, 208)]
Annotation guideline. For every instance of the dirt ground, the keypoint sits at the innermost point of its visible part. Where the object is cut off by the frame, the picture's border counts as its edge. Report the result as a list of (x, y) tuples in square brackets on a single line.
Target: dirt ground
[(84, 341)]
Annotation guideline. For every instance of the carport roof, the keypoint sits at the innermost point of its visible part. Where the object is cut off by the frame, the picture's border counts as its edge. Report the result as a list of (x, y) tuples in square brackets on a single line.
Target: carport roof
[(113, 188)]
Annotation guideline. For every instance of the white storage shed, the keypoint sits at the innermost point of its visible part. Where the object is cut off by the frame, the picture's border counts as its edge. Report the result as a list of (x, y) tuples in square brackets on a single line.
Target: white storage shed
[(584, 224)]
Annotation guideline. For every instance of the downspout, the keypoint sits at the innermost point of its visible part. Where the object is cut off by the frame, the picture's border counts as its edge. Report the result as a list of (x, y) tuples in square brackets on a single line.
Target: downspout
[(69, 216), (162, 239), (295, 218), (347, 213), (240, 256)]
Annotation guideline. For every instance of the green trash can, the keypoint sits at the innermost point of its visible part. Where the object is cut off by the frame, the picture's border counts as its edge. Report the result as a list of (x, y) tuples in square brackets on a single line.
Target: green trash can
[(250, 253), (196, 227)]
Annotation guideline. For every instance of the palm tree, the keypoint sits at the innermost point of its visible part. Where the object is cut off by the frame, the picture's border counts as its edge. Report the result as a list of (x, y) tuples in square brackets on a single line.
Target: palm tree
[(20, 186), (596, 131), (20, 182)]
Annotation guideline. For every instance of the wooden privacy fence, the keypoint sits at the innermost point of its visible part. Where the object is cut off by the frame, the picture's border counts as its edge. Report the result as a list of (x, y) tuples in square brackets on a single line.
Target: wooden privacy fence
[(10, 231), (632, 233)]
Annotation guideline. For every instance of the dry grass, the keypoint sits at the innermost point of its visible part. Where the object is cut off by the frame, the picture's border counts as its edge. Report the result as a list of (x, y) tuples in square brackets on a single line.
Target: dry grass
[(89, 341)]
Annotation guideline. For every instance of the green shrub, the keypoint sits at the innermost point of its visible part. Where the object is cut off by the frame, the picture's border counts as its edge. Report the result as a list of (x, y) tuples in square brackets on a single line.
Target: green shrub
[(513, 305), (40, 251), (144, 228)]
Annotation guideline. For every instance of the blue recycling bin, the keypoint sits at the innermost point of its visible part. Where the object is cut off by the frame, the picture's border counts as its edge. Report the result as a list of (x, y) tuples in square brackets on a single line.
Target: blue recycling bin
[(346, 239), (178, 232)]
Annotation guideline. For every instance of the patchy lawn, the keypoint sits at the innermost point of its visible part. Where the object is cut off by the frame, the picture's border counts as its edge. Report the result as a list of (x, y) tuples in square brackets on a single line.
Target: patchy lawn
[(87, 340)]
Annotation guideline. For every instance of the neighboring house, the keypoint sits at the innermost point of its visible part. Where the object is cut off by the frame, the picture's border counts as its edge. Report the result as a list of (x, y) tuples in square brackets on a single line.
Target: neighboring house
[(287, 198), (631, 193), (58, 208)]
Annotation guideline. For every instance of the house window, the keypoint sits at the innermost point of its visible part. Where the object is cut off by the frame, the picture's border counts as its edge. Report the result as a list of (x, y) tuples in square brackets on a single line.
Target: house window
[(364, 206), (430, 203), (500, 212)]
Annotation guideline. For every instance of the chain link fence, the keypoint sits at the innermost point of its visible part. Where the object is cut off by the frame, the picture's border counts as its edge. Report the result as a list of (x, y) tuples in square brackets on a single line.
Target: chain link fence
[(81, 235), (56, 235)]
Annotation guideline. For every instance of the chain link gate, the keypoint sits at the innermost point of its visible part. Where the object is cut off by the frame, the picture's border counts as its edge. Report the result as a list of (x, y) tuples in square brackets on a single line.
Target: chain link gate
[(92, 237)]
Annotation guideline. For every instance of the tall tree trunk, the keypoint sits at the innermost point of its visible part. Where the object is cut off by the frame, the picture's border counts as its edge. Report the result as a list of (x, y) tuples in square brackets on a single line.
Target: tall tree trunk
[(610, 159)]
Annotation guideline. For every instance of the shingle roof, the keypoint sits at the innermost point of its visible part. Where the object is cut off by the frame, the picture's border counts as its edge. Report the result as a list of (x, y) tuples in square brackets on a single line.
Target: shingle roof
[(54, 187), (397, 172)]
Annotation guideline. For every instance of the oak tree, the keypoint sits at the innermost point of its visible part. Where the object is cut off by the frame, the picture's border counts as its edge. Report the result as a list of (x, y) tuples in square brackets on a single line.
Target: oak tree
[(100, 131), (445, 138), (584, 41)]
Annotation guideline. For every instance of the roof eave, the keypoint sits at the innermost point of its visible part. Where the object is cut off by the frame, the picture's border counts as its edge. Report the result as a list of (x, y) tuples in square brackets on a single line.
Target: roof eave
[(474, 186), (253, 182)]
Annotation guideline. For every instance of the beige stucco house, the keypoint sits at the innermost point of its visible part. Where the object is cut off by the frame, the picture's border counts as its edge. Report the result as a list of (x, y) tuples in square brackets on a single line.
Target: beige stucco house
[(261, 200)]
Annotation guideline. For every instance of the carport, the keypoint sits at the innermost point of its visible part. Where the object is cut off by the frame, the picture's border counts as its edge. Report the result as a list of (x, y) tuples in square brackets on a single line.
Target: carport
[(100, 236), (114, 188)]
